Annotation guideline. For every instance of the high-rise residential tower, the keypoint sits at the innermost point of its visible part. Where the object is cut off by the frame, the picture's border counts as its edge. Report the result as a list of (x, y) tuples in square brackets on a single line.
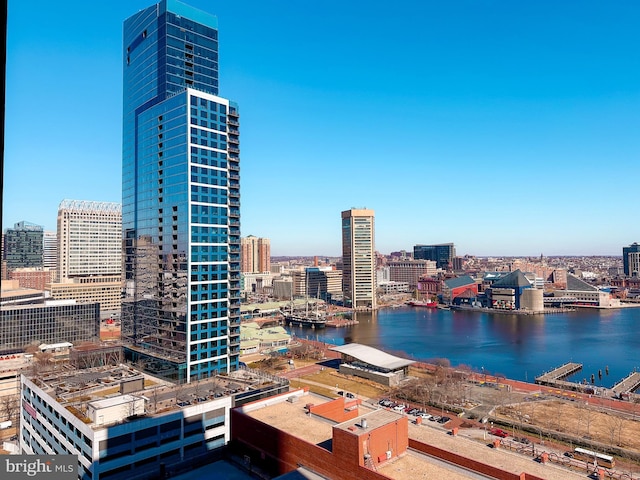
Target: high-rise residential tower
[(631, 259), (256, 254), (181, 197), (358, 258)]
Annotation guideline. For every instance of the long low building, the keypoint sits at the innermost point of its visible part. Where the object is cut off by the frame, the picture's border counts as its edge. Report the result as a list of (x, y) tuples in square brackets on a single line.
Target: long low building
[(373, 364)]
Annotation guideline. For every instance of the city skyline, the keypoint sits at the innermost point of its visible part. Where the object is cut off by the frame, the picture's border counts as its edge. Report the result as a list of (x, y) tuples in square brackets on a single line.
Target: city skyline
[(504, 120)]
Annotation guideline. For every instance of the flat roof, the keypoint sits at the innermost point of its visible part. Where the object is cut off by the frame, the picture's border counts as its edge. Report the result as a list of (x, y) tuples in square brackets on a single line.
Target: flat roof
[(373, 356), (374, 419), (113, 401)]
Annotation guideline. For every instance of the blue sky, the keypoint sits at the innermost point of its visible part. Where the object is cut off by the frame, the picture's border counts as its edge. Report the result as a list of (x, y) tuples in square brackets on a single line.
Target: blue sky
[(508, 128)]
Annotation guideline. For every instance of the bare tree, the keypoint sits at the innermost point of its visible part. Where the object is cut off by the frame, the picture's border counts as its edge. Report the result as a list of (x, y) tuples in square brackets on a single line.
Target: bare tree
[(154, 399), (9, 407), (587, 416), (614, 428)]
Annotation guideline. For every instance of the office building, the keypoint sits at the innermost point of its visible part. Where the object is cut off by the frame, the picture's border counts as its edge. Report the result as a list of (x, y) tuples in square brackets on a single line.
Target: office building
[(89, 239), (181, 196), (631, 260), (358, 258), (442, 254), (255, 254), (316, 282), (50, 250), (23, 245), (89, 265), (127, 426), (410, 271), (51, 322)]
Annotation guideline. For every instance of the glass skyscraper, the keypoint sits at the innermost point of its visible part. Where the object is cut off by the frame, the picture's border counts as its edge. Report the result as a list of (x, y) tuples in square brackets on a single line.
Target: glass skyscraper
[(442, 254), (180, 197)]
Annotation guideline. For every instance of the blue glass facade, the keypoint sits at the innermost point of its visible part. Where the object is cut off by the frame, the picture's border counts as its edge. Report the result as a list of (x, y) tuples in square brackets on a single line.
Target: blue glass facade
[(181, 197), (441, 254)]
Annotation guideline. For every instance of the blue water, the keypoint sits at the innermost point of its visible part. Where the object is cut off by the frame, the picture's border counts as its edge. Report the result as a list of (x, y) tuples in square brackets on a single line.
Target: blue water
[(518, 347)]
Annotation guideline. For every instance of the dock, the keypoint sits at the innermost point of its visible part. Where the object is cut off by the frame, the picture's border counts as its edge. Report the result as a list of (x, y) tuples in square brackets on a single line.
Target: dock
[(627, 386), (555, 377)]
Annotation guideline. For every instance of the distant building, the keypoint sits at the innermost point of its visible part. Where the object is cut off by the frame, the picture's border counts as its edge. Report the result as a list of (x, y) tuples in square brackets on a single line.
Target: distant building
[(283, 288), (256, 282), (559, 278), (50, 250), (506, 292), (631, 260), (89, 239), (51, 322), (23, 245), (390, 288), (358, 258), (410, 271), (457, 263), (454, 287), (34, 277), (442, 254), (579, 292), (89, 254), (429, 286), (316, 282), (382, 275), (255, 254)]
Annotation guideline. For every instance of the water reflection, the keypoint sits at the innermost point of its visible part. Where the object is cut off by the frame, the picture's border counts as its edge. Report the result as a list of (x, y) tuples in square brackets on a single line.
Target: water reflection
[(520, 347)]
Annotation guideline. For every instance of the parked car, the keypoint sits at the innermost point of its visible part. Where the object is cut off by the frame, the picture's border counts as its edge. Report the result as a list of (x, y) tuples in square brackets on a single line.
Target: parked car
[(425, 416), (435, 418), (498, 432), (444, 420), (399, 408), (350, 395)]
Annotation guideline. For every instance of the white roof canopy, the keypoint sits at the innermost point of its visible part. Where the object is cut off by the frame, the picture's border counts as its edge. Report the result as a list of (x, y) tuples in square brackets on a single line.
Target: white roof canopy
[(373, 356)]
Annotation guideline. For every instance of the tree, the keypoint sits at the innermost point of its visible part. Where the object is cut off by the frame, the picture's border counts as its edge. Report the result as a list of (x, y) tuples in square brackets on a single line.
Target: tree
[(9, 406)]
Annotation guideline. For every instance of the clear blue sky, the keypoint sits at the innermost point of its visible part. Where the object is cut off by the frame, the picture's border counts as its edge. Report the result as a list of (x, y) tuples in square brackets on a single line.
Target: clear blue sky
[(508, 128)]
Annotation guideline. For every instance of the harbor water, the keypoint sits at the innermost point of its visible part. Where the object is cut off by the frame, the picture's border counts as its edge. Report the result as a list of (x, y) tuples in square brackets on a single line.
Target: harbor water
[(516, 346)]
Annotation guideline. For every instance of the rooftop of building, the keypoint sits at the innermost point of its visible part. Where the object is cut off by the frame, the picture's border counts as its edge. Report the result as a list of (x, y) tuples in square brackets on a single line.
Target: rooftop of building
[(102, 387), (369, 420), (373, 356), (577, 285), (515, 279), (292, 417), (459, 281)]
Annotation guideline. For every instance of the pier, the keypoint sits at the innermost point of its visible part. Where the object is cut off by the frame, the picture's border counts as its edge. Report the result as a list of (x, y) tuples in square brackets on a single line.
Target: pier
[(555, 377), (627, 386)]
